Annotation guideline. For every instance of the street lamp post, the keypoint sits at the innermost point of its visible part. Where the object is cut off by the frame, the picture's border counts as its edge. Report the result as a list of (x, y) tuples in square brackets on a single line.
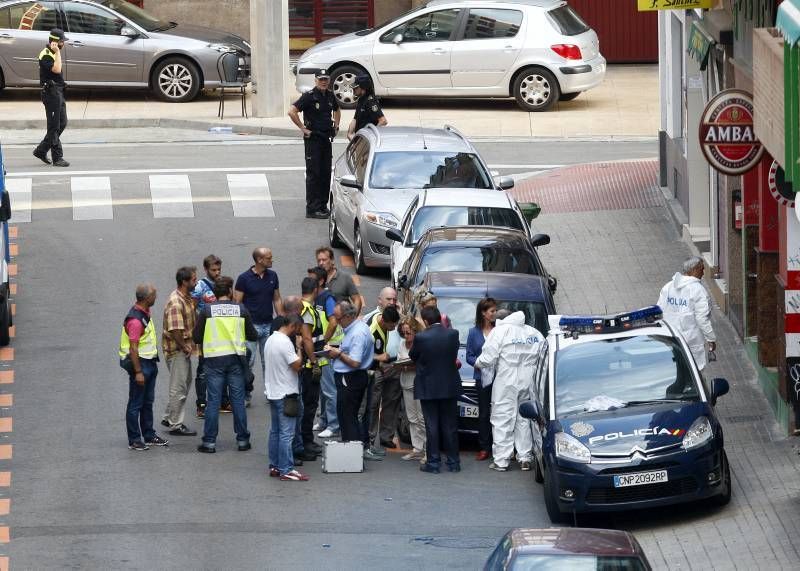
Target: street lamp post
[(269, 40)]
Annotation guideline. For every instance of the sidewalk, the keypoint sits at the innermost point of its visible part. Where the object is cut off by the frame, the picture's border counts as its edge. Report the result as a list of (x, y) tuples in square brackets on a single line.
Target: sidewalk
[(619, 256), (625, 106)]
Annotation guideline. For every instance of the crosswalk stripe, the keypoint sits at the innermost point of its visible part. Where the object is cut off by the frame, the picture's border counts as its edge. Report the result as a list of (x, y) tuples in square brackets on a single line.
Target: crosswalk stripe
[(250, 196), (91, 198), (19, 191), (171, 196)]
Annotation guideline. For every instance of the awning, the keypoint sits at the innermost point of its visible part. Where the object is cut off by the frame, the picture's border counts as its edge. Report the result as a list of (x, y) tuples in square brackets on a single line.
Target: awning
[(788, 20), (700, 42)]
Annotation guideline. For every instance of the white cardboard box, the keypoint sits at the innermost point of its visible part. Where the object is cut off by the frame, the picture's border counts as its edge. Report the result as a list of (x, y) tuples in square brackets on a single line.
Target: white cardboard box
[(343, 457)]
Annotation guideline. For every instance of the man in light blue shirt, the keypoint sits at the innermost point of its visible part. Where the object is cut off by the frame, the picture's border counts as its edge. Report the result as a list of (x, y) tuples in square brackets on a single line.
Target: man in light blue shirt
[(350, 363)]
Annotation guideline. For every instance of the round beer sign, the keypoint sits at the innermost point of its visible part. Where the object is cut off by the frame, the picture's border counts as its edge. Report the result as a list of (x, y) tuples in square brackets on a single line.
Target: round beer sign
[(727, 137)]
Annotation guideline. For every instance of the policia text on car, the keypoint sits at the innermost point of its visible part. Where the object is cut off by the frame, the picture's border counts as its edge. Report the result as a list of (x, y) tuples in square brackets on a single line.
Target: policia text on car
[(52, 81)]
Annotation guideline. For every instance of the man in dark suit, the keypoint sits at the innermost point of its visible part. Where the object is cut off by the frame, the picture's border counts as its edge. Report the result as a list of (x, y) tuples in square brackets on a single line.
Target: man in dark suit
[(437, 386)]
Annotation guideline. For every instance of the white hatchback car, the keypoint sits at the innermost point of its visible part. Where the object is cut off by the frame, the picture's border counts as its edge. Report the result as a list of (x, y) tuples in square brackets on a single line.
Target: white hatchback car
[(537, 51)]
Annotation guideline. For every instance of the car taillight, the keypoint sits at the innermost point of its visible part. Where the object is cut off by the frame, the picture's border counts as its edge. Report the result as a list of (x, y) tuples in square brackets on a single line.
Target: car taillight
[(567, 51)]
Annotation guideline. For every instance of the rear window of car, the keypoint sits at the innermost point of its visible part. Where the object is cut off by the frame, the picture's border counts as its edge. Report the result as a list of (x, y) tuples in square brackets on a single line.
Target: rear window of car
[(439, 216), (477, 259), (567, 21), (428, 169)]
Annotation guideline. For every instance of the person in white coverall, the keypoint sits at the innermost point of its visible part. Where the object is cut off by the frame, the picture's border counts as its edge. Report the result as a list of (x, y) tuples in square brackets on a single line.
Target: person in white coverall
[(511, 349), (687, 307)]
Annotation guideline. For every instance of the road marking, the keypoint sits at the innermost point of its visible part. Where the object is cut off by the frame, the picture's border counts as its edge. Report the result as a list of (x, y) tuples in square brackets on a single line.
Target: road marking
[(12, 270), (20, 193), (5, 506), (6, 425), (7, 354), (5, 479), (13, 289), (154, 171), (250, 196), (4, 537), (6, 401), (356, 280), (13, 231), (171, 196), (6, 451), (6, 377), (91, 198), (13, 249), (347, 261)]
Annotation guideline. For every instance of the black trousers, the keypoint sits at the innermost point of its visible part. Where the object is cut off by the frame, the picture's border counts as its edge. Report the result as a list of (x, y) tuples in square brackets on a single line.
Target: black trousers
[(350, 389), (319, 154), (56, 112), (441, 430), (484, 417), (310, 393)]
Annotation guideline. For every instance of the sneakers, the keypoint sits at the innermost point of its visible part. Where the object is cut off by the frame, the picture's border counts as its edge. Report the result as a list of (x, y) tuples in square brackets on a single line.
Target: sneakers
[(274, 473), (525, 466), (228, 408), (247, 398), (294, 476), (244, 447), (157, 441), (138, 446), (317, 427), (41, 156), (429, 468), (498, 468), (206, 449), (60, 163), (328, 433), (378, 451), (454, 467), (318, 215), (413, 455), (481, 456), (183, 430), (201, 411), (165, 423), (370, 454)]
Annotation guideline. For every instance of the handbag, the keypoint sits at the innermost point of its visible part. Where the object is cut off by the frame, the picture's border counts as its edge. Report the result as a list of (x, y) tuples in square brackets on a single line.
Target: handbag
[(291, 405)]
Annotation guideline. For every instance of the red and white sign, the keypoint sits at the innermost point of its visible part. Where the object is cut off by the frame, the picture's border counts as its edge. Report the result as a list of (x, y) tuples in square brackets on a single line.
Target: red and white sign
[(778, 187), (727, 137)]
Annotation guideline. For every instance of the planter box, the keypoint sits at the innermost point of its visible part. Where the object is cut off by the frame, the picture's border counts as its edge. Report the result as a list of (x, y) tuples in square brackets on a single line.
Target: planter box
[(768, 94)]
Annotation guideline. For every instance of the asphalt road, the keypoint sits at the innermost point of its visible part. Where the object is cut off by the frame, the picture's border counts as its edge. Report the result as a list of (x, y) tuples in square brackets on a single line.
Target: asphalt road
[(81, 499)]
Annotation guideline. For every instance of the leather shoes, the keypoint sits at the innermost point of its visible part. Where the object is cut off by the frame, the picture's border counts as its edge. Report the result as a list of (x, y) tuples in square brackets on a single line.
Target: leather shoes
[(388, 444), (41, 156), (454, 467), (313, 447), (60, 163), (206, 449), (318, 215), (482, 455), (430, 469), (244, 447), (183, 430)]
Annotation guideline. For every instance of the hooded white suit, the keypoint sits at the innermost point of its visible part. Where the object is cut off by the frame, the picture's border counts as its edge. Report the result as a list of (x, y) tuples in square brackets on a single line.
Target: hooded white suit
[(511, 349), (687, 307)]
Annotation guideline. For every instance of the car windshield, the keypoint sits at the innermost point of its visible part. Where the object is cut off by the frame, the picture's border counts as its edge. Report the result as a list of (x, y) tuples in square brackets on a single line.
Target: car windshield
[(461, 313), (613, 373), (476, 259), (137, 15), (390, 20), (424, 169), (439, 216), (567, 21), (540, 562)]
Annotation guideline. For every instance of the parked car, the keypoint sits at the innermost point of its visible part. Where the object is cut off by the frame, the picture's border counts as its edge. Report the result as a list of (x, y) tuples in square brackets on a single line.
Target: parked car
[(382, 170), (568, 549), (458, 294), (6, 318), (112, 43), (537, 51), (623, 419), (434, 208), (472, 249)]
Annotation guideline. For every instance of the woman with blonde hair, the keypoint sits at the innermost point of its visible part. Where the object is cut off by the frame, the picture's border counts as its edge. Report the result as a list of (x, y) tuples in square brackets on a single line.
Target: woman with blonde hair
[(408, 328), (426, 298)]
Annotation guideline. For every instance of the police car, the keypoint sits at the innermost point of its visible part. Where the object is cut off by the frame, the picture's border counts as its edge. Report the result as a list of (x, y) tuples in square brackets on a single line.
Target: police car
[(622, 417), (5, 259)]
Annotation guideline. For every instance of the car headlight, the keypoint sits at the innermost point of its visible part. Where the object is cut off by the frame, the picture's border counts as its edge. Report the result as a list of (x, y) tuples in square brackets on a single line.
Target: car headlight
[(698, 434), (222, 48), (570, 448), (384, 219)]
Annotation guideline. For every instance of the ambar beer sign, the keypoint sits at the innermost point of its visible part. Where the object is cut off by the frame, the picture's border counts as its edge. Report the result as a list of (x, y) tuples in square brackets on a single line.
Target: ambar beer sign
[(727, 137)]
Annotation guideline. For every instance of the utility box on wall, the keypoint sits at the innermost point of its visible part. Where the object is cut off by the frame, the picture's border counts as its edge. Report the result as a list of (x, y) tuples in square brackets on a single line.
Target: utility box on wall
[(626, 35)]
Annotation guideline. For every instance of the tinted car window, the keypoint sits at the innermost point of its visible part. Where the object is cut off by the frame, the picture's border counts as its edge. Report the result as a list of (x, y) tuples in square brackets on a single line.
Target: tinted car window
[(461, 312), (430, 27), (88, 19), (136, 15), (485, 23), (524, 562), (642, 368), (435, 216), (412, 169), (38, 16), (360, 158), (567, 21), (474, 259)]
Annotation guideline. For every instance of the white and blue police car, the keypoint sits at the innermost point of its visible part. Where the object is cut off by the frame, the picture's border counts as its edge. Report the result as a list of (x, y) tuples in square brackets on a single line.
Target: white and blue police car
[(623, 418)]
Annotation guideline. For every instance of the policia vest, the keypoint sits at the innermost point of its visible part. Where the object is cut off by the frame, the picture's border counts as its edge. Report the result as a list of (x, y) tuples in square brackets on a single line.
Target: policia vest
[(317, 331), (148, 346), (224, 331), (380, 338), (338, 335)]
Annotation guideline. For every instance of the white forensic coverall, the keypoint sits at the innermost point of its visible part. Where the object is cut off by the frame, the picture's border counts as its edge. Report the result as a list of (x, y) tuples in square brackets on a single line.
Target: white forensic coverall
[(687, 307), (511, 349)]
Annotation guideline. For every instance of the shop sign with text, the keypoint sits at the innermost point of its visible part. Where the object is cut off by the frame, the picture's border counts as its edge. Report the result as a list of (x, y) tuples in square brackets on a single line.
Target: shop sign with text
[(727, 136), (646, 5)]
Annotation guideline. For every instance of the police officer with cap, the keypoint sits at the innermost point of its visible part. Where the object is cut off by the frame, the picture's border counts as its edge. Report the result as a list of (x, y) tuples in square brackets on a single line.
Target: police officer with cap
[(321, 116), (368, 108), (52, 81)]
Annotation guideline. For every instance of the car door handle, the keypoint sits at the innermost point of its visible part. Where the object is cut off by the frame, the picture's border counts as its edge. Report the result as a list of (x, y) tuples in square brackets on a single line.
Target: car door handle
[(75, 44), (5, 35), (438, 51)]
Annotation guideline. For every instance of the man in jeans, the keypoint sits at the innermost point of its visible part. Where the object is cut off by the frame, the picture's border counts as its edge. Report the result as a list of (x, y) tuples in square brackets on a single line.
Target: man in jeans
[(203, 294), (223, 328), (176, 342), (259, 290), (284, 360), (325, 304), (138, 352)]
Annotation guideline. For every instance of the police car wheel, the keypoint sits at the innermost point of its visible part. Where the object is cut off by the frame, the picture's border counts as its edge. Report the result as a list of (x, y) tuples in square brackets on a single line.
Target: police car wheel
[(724, 498), (342, 80), (333, 231), (358, 252), (551, 502), (176, 79), (536, 89)]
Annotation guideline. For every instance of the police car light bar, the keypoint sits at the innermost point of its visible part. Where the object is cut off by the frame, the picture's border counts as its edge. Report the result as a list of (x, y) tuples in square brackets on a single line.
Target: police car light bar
[(610, 323)]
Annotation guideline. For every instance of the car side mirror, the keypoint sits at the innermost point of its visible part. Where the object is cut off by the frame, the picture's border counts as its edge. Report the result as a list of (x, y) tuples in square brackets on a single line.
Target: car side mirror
[(530, 410), (402, 281), (128, 32), (530, 210), (397, 39), (350, 181), (540, 240), (552, 284), (505, 182), (719, 387), (394, 235)]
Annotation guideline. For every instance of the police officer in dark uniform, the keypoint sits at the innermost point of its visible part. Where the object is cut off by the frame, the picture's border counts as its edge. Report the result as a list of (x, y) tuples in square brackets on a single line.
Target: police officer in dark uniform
[(368, 108), (321, 116), (52, 81)]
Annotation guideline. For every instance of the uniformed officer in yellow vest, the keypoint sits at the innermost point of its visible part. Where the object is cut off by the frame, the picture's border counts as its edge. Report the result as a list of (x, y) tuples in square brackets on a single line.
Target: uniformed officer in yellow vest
[(380, 326), (311, 374), (51, 80), (138, 354), (223, 327)]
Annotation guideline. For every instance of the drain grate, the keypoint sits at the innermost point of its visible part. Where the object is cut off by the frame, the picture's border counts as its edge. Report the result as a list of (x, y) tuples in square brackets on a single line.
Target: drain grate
[(743, 418)]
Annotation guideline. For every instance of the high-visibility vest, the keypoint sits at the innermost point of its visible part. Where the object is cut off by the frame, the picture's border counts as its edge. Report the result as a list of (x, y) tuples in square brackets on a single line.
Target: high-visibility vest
[(317, 332), (148, 344), (380, 336), (338, 334), (224, 330)]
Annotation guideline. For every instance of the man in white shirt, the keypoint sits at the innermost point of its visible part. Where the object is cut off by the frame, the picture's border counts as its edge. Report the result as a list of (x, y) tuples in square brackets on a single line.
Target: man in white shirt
[(283, 360)]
